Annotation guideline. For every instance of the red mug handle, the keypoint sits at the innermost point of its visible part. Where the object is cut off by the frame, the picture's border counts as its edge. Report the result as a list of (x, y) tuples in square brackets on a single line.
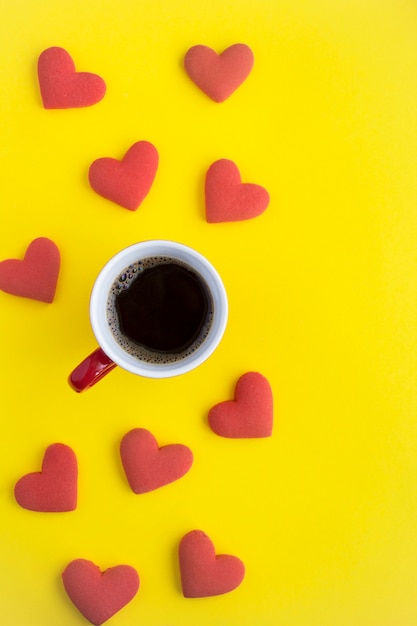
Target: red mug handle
[(90, 371)]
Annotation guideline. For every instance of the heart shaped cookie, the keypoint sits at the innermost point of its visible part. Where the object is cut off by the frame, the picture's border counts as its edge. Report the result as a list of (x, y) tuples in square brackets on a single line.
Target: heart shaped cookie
[(126, 182), (35, 276), (203, 572), (219, 75), (61, 86), (54, 489), (99, 595), (250, 414), (227, 198), (148, 466)]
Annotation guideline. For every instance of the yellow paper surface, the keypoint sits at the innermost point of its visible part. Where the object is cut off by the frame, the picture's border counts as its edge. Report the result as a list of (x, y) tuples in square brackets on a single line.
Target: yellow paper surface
[(322, 294)]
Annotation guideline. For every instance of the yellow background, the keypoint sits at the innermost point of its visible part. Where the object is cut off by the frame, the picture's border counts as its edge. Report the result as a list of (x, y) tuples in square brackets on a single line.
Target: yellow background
[(322, 291)]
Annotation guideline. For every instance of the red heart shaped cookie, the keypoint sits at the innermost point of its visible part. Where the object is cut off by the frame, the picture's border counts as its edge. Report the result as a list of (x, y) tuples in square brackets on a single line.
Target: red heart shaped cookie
[(126, 182), (35, 276), (227, 198), (149, 467), (203, 573), (99, 595), (250, 414), (61, 86), (54, 489), (219, 75)]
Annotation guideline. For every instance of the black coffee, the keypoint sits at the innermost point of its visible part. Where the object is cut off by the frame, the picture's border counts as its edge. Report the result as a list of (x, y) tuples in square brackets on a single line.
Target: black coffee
[(159, 310)]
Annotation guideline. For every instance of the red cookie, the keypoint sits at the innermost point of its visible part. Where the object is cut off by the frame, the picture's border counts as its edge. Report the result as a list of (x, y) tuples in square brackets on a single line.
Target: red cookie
[(250, 414), (227, 198), (61, 86), (99, 595), (149, 467), (126, 182), (35, 276), (54, 489), (219, 75), (203, 573)]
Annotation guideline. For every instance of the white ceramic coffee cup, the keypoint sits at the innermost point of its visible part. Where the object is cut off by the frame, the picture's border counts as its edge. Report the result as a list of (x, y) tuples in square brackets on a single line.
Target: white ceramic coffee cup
[(110, 353)]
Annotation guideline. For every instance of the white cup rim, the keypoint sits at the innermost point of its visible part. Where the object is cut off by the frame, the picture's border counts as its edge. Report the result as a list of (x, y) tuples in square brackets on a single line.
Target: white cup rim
[(99, 298)]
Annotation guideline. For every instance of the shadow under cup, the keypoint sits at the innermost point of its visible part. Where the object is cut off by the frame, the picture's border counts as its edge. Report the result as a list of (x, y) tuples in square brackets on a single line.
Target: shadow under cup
[(115, 277)]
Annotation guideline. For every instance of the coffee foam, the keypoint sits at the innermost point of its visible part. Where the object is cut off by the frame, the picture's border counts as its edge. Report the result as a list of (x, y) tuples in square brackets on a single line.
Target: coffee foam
[(121, 282)]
